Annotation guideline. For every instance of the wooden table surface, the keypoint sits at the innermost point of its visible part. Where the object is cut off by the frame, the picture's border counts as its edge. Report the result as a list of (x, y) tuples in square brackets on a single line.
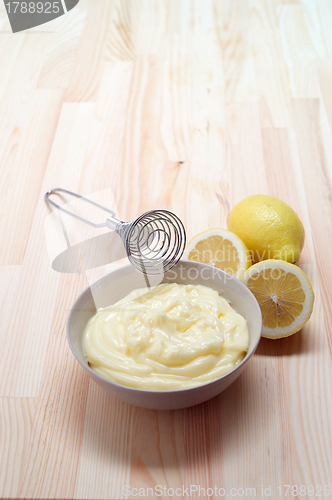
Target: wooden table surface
[(189, 106)]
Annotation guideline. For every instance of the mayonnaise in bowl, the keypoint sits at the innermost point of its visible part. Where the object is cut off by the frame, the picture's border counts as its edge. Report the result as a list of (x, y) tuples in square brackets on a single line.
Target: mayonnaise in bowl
[(169, 337)]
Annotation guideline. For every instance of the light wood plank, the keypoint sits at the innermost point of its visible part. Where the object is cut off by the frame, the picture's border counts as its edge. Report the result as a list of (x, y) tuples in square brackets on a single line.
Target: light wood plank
[(314, 24), (106, 441), (27, 150), (16, 420), (299, 51), (50, 467), (316, 164), (159, 460), (120, 38), (271, 73), (149, 25), (34, 318), (324, 10), (91, 54), (325, 78), (232, 19), (244, 152), (60, 56), (105, 147), (177, 98), (310, 419)]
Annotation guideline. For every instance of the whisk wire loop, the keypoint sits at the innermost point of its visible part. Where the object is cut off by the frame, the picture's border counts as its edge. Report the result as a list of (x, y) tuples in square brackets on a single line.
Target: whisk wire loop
[(159, 243)]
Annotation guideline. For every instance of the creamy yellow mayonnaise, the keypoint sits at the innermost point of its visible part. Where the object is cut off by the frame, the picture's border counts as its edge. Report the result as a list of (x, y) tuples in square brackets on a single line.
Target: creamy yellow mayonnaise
[(165, 338)]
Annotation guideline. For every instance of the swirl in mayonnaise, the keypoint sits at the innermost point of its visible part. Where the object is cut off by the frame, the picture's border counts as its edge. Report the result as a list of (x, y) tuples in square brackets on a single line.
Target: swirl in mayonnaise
[(166, 338)]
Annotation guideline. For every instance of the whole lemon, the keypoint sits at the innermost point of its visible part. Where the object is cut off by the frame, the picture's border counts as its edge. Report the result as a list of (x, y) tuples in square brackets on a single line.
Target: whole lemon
[(268, 227)]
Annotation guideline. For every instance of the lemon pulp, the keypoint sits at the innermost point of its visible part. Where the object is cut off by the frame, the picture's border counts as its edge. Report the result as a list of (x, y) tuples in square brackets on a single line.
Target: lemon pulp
[(219, 248), (284, 294)]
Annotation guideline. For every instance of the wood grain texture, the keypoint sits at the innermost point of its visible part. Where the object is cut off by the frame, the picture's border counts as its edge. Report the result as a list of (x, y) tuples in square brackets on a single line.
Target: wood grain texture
[(187, 105)]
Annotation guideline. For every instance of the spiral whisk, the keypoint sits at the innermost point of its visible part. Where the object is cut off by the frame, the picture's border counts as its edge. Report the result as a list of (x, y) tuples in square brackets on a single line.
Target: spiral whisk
[(154, 242)]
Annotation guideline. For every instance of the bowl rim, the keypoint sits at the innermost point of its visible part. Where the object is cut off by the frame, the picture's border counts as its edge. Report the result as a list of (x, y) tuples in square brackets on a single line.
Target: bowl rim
[(172, 391)]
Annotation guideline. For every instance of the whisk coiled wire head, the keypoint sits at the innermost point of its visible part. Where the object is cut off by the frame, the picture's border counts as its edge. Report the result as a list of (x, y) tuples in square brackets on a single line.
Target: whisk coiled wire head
[(154, 242)]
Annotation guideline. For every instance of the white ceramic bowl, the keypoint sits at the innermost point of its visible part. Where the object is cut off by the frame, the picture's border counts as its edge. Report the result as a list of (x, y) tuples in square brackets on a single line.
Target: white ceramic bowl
[(117, 284)]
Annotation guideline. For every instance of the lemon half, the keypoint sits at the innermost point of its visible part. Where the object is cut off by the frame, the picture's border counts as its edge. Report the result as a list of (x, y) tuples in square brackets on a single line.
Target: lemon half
[(219, 248), (284, 294)]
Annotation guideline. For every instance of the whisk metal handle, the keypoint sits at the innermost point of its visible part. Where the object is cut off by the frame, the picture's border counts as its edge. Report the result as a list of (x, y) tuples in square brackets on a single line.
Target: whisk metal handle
[(113, 223), (102, 224)]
